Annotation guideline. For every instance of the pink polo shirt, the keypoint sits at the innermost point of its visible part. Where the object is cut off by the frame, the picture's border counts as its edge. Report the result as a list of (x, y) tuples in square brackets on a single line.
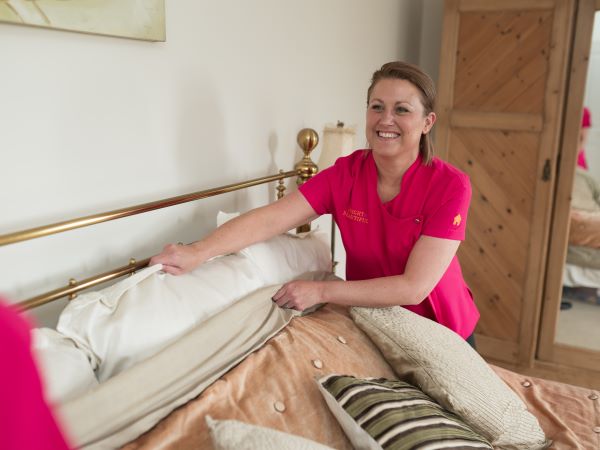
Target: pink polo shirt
[(378, 237)]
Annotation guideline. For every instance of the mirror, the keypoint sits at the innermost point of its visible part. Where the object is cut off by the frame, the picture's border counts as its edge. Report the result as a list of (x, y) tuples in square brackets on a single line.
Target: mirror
[(579, 314)]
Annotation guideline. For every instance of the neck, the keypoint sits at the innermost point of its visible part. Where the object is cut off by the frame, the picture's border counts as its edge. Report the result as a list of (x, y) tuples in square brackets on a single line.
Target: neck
[(390, 170)]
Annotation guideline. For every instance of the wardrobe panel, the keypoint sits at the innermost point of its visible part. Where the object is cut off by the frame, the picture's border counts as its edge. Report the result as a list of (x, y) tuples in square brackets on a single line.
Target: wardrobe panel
[(501, 87)]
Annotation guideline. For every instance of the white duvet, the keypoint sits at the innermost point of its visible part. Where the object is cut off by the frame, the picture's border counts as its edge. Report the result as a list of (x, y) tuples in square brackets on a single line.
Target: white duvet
[(138, 316), (110, 330), (66, 369)]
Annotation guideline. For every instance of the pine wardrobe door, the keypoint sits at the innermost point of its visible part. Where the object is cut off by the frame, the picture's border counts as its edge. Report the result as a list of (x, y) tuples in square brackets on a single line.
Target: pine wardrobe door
[(500, 103)]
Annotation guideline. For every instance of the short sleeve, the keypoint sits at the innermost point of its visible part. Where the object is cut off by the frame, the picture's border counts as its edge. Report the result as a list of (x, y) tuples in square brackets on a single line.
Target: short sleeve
[(318, 192), (449, 219)]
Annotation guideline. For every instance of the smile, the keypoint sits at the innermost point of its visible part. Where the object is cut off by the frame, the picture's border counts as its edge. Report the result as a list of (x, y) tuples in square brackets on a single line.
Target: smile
[(387, 134)]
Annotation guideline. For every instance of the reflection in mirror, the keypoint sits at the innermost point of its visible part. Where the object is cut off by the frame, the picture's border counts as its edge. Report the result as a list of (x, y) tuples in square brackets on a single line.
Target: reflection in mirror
[(579, 318)]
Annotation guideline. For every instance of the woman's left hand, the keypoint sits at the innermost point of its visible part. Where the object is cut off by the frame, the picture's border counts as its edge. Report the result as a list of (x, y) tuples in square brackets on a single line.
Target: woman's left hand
[(300, 295)]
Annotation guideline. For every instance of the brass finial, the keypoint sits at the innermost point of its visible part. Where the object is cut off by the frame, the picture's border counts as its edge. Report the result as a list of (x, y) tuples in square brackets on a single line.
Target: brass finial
[(306, 168), (307, 140), (72, 282)]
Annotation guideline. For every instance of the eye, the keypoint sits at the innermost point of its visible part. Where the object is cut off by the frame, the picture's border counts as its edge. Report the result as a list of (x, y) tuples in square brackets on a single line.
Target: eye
[(401, 110), (377, 107)]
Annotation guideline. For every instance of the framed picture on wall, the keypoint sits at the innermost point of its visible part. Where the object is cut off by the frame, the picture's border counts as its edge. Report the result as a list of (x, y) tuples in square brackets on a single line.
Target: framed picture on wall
[(132, 19)]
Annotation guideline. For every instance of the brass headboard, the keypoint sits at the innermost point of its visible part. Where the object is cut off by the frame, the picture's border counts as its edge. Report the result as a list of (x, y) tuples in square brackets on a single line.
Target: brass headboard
[(304, 169)]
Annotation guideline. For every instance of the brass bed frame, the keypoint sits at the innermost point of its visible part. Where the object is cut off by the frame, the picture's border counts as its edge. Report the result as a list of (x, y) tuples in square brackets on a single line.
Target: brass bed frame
[(304, 169)]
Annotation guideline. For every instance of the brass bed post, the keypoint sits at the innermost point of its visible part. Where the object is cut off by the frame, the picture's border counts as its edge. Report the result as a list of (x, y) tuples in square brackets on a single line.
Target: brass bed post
[(306, 168)]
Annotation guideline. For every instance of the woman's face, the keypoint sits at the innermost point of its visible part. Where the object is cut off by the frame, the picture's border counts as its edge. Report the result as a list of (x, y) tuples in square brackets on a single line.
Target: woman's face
[(396, 118)]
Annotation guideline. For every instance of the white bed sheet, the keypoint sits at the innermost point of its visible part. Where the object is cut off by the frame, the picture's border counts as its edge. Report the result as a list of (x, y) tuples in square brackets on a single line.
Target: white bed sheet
[(577, 276)]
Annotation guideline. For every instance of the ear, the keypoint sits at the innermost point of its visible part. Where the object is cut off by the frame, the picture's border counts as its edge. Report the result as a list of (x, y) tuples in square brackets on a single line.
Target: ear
[(429, 121)]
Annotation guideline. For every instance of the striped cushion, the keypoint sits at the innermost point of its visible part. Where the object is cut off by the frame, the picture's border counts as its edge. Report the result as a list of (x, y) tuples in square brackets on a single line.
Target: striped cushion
[(395, 415)]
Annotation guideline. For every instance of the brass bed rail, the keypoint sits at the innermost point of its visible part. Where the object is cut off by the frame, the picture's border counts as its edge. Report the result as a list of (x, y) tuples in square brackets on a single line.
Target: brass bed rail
[(304, 169), (75, 286), (93, 219)]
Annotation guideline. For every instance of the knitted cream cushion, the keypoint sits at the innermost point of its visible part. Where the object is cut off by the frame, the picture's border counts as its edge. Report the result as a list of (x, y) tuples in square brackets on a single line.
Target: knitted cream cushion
[(234, 435), (438, 361)]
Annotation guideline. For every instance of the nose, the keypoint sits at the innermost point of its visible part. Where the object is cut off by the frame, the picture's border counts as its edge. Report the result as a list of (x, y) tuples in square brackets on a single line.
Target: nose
[(387, 117)]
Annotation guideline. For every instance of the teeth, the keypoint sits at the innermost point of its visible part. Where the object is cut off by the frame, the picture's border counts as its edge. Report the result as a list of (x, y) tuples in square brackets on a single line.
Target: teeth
[(387, 135)]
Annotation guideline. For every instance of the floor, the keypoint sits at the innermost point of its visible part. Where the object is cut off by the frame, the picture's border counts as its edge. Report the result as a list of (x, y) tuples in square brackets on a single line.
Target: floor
[(579, 325)]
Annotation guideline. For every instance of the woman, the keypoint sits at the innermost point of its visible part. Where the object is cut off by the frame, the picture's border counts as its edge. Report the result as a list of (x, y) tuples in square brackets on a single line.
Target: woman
[(401, 214)]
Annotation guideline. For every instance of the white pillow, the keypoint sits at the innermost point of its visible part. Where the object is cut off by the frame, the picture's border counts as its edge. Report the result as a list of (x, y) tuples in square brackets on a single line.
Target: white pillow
[(134, 318), (287, 256), (66, 369), (234, 435)]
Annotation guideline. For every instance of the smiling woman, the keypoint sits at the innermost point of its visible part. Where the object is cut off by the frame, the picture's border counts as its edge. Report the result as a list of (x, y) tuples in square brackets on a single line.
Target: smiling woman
[(401, 213), (123, 18), (397, 208)]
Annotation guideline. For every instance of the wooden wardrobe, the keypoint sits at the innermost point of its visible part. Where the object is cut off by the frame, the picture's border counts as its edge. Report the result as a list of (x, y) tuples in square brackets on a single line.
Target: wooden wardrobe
[(511, 86)]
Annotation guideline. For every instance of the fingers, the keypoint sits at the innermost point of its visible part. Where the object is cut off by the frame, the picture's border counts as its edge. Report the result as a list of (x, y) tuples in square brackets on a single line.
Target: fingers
[(171, 258), (280, 293), (173, 270), (289, 296), (283, 297), (280, 297)]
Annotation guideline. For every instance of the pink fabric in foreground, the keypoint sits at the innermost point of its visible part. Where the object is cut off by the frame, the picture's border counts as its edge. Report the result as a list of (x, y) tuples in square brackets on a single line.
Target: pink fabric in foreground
[(26, 422)]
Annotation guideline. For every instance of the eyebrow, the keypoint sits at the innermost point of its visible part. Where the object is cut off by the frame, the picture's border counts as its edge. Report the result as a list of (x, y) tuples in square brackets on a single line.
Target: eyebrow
[(397, 103)]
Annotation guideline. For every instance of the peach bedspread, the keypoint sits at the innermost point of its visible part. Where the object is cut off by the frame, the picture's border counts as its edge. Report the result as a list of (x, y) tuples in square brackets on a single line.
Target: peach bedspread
[(275, 387)]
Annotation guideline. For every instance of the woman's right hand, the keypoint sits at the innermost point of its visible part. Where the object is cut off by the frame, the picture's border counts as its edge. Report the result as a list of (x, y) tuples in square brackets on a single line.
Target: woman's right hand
[(178, 259)]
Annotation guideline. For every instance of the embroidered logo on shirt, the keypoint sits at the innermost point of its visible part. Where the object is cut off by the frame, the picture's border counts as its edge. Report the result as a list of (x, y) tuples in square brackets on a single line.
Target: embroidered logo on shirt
[(457, 220), (356, 215)]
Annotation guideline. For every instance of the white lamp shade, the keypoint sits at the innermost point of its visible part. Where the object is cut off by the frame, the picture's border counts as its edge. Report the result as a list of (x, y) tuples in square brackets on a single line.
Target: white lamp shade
[(337, 141)]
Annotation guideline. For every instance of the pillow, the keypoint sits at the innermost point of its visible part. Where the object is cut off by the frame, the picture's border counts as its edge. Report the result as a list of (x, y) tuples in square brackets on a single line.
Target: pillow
[(286, 256), (444, 366), (379, 413), (234, 435), (134, 318), (66, 370)]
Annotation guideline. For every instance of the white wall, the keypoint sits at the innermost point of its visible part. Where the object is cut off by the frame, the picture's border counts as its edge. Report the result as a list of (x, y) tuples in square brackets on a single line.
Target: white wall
[(94, 123), (431, 37)]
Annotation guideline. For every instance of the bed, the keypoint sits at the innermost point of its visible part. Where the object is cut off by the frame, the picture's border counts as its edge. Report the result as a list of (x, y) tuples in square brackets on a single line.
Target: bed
[(239, 372), (582, 268)]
